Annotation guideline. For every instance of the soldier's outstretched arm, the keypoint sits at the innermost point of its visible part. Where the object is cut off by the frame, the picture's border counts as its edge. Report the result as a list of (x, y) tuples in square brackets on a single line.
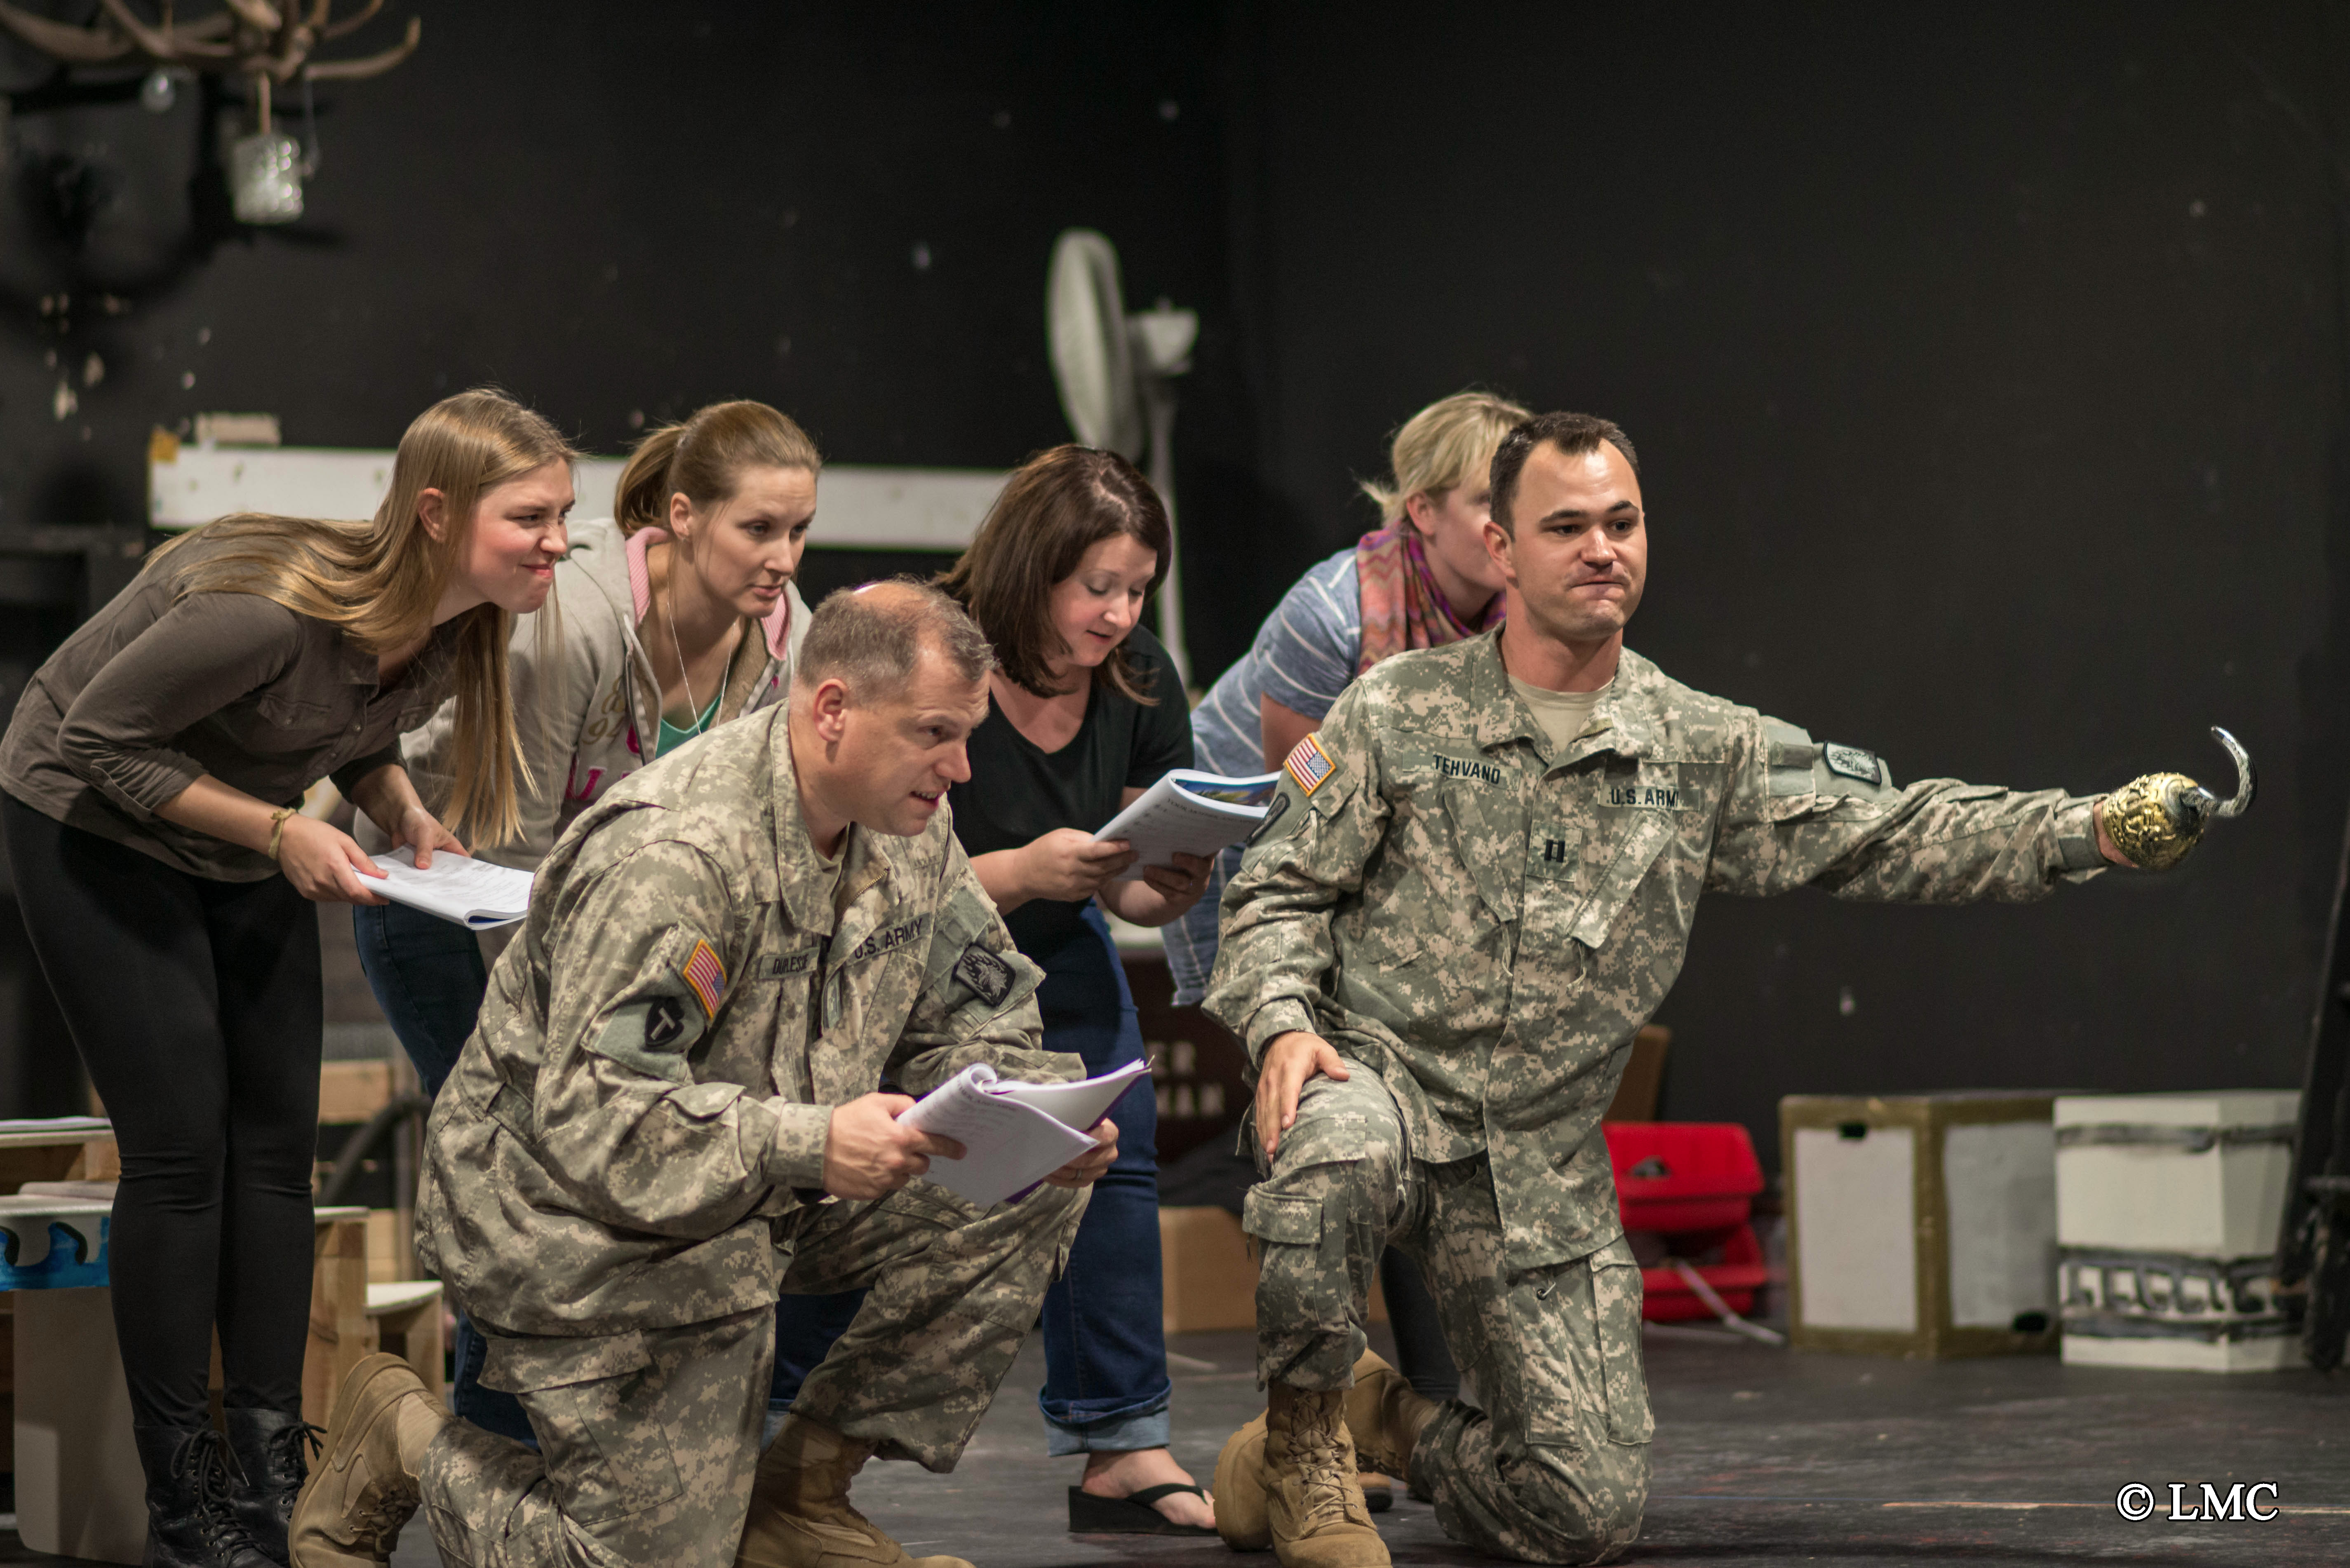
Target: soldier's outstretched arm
[(1830, 816), (638, 963), (1319, 834)]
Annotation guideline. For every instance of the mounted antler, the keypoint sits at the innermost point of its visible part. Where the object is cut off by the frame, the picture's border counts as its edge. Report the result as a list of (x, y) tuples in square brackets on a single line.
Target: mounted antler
[(247, 39)]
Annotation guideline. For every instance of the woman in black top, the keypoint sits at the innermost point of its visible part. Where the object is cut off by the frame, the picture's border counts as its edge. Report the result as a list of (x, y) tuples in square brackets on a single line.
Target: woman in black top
[(1086, 712), (153, 774)]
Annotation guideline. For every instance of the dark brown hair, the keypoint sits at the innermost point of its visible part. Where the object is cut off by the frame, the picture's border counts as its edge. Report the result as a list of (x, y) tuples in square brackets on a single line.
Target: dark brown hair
[(1573, 434), (703, 457), (872, 638), (1054, 507)]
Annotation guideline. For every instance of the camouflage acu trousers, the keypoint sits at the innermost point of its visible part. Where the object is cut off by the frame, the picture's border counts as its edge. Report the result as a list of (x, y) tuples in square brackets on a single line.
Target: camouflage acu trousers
[(649, 1439), (1554, 1467), (953, 1291), (648, 1442)]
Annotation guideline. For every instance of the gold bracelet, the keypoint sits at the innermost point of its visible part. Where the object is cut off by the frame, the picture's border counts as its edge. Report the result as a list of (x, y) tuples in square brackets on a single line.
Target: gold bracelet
[(277, 827)]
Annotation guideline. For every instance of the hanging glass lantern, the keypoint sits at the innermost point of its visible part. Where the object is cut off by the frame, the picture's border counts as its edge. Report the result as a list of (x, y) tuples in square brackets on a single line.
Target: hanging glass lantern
[(264, 170), (264, 174)]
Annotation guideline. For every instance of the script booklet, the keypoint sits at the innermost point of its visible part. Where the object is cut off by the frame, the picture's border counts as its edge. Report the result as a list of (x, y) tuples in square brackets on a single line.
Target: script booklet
[(1197, 813), (474, 893), (1014, 1134)]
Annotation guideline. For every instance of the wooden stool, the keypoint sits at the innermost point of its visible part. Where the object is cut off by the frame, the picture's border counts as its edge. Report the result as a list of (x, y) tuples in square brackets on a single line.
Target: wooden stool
[(340, 1335), (80, 1491), (404, 1318)]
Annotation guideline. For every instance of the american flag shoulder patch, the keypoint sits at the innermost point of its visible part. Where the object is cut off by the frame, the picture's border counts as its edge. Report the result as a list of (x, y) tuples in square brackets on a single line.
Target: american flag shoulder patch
[(1309, 764), (707, 976)]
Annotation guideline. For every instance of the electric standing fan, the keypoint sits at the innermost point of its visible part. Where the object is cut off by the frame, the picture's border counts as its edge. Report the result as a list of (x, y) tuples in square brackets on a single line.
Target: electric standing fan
[(1115, 374)]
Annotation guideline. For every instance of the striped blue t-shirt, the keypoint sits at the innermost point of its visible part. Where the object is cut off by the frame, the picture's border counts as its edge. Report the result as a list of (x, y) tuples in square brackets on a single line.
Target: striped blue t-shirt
[(1302, 657)]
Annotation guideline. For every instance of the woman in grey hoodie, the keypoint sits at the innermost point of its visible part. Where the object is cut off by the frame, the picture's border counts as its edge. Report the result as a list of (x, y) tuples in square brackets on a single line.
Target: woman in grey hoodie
[(672, 617)]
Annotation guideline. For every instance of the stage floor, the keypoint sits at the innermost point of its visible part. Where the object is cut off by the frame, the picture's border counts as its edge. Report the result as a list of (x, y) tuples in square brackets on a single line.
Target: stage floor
[(1761, 1456)]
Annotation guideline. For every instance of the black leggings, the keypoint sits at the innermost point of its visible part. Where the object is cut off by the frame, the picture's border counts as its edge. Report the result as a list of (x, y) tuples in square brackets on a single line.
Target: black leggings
[(197, 1009)]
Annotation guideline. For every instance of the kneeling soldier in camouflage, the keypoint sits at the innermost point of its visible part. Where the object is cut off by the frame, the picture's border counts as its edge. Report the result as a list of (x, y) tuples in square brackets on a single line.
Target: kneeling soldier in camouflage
[(668, 1115), (1474, 887)]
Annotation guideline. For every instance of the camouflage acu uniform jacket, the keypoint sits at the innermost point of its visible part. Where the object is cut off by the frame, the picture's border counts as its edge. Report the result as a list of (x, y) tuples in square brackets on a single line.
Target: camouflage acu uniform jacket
[(649, 1090), (1486, 923)]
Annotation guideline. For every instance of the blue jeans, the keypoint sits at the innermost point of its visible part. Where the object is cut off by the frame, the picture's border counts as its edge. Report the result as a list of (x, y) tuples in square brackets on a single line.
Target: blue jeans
[(427, 977), (1106, 1384)]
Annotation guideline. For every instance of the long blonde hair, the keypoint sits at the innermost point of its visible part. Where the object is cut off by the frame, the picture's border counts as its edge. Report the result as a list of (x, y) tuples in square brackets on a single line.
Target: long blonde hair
[(1445, 444), (379, 580)]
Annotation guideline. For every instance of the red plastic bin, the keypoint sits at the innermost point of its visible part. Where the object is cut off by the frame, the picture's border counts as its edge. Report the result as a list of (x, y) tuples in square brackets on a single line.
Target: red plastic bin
[(1666, 1296), (1693, 1185), (1683, 1176)]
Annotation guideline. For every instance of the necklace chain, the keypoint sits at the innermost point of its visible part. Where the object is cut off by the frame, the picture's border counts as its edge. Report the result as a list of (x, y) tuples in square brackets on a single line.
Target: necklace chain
[(685, 676)]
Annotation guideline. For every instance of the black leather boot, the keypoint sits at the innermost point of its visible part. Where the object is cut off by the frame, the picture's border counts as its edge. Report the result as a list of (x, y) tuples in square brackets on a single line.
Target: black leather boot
[(273, 1452), (189, 1521)]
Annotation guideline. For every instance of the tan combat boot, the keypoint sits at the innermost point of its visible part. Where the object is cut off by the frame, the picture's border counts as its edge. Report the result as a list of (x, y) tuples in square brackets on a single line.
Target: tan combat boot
[(1385, 1416), (362, 1488), (800, 1516), (1240, 1490), (1312, 1499)]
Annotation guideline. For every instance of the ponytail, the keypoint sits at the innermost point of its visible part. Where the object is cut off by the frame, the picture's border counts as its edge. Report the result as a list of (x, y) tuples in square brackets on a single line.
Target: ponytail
[(703, 459), (642, 498)]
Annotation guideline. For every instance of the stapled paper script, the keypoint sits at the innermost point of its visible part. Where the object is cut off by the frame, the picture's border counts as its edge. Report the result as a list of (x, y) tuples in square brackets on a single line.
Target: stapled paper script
[(1014, 1134)]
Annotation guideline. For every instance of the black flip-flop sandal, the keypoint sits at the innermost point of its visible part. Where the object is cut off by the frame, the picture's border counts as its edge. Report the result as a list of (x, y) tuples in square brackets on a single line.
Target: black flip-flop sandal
[(1131, 1514)]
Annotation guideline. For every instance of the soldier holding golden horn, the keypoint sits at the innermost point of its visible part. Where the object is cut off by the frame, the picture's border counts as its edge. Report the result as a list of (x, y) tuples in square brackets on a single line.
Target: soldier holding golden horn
[(1476, 884)]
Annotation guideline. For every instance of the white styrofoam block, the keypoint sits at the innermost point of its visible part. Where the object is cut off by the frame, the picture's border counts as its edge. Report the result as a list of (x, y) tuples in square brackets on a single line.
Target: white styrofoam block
[(1999, 1180), (2147, 1194), (1856, 1234), (2271, 1354), (79, 1490), (858, 507)]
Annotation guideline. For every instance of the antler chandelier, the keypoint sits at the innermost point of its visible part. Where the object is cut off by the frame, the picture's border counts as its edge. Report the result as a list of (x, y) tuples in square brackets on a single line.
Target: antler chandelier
[(265, 42)]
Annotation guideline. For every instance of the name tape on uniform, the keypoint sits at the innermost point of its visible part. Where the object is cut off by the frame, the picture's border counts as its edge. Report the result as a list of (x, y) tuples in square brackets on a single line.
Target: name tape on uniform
[(1641, 796), (1457, 768)]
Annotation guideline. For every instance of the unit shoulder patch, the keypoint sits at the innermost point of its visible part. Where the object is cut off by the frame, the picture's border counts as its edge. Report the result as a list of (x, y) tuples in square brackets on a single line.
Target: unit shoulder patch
[(1853, 763), (1272, 813), (1309, 764), (987, 975), (665, 1025)]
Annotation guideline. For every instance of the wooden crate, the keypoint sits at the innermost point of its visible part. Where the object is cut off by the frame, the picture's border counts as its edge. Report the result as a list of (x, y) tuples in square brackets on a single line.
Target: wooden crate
[(1921, 1225), (1209, 1273)]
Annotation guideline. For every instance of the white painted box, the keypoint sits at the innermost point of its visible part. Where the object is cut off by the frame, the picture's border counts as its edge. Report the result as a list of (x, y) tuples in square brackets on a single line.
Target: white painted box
[(2203, 1174), (1922, 1225), (2167, 1214)]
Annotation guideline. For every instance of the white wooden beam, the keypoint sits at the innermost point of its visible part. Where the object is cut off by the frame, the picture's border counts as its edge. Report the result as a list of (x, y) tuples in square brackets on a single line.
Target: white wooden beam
[(857, 507)]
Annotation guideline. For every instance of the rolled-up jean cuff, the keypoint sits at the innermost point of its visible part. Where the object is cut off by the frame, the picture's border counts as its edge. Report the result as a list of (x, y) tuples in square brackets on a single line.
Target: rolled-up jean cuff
[(1119, 1434)]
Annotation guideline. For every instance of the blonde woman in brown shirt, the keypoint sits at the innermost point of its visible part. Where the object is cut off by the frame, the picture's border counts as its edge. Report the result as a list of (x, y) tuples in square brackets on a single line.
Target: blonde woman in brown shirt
[(149, 786)]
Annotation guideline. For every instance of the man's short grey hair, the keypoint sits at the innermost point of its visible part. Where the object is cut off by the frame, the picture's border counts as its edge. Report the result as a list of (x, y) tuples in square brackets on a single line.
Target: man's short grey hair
[(872, 639)]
